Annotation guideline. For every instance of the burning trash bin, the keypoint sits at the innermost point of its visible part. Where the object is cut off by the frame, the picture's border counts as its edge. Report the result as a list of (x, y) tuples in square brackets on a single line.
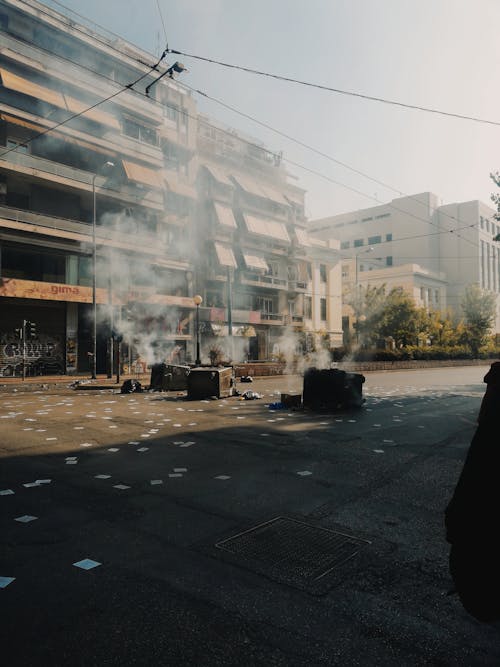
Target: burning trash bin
[(168, 377), (332, 389), (208, 382)]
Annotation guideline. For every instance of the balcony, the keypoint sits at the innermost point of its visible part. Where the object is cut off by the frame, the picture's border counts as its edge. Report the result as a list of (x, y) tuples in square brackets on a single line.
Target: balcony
[(272, 318), (250, 278), (77, 178)]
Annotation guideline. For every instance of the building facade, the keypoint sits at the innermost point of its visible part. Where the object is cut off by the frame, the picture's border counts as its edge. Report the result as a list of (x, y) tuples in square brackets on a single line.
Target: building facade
[(99, 159), (434, 251)]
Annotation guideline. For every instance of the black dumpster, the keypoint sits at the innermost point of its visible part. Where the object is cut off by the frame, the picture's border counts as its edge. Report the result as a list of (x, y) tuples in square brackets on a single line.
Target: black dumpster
[(205, 382), (332, 389), (168, 377)]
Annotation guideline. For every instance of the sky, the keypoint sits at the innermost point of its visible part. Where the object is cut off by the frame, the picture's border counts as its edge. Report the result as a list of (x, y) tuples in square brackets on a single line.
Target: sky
[(441, 54)]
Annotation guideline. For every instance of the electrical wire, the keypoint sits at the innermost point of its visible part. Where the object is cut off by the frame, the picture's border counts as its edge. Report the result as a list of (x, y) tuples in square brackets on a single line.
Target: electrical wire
[(162, 22), (337, 90)]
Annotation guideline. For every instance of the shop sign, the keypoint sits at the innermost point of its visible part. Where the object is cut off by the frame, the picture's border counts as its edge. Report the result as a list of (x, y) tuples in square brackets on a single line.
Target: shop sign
[(32, 289)]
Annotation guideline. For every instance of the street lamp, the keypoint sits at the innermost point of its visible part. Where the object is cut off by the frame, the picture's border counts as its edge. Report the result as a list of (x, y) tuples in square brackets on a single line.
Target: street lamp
[(108, 163), (197, 301)]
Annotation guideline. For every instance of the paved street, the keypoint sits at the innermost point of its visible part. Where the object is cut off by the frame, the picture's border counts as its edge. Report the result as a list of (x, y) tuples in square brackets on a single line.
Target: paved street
[(152, 488)]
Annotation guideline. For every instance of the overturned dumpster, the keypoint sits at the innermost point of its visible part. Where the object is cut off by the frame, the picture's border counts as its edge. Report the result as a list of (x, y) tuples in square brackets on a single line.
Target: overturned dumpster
[(332, 389), (208, 382), (169, 377)]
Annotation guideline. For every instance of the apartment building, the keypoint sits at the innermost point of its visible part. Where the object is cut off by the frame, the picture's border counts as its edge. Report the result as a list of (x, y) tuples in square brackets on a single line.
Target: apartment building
[(434, 251), (66, 164), (264, 278), (98, 158)]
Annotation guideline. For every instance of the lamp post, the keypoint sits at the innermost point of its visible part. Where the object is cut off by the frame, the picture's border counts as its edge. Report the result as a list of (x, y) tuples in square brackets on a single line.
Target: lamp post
[(94, 263), (197, 301)]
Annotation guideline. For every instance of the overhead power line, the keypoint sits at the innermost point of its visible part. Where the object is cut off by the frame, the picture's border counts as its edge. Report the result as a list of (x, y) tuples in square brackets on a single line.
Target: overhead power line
[(330, 89)]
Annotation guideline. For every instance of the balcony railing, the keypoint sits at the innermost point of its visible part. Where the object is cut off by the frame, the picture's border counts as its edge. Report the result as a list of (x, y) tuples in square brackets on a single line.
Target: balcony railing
[(265, 280)]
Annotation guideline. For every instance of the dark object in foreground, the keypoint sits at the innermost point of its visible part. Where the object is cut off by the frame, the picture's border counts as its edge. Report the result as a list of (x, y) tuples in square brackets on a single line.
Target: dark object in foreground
[(168, 377), (332, 389), (246, 378), (471, 517), (131, 386), (210, 382)]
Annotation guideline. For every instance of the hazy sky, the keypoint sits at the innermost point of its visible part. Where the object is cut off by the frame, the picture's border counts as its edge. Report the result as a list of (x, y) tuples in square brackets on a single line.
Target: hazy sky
[(442, 54)]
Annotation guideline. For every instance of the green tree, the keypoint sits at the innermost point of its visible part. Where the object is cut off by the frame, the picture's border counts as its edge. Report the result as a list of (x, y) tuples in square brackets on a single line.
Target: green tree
[(479, 308), (402, 319)]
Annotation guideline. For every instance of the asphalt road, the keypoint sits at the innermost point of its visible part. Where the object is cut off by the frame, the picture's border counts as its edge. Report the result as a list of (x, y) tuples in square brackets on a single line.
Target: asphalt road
[(165, 495)]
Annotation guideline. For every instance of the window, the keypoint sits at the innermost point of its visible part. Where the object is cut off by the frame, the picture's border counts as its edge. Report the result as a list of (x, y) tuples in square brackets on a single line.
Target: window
[(388, 260), (436, 296), (264, 304), (487, 225), (308, 307), (17, 145), (372, 240), (322, 273), (344, 245), (322, 306), (481, 220), (358, 243), (171, 113), (292, 272), (140, 132), (273, 269), (388, 237)]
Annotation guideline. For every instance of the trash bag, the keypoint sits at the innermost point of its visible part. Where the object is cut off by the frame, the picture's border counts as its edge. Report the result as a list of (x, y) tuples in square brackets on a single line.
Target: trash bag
[(246, 378), (131, 386), (251, 395)]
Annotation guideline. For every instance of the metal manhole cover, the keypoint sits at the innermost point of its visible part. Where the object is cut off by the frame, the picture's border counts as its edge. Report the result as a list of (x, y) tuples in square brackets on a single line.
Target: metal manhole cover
[(292, 550)]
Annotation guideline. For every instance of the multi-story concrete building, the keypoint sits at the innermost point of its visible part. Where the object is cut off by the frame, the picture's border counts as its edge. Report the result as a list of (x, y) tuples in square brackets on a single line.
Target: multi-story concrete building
[(96, 155), (262, 272), (433, 251), (62, 150)]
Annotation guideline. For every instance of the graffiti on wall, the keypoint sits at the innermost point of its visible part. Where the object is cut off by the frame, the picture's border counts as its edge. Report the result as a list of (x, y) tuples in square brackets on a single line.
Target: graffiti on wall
[(42, 355)]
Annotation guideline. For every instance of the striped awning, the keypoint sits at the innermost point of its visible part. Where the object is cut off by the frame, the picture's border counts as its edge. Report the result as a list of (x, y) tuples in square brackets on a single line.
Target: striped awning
[(270, 228), (21, 85), (225, 215), (225, 255), (253, 261), (140, 174)]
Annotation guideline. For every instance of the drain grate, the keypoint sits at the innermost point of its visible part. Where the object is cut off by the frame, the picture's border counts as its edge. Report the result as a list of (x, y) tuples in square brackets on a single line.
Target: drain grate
[(291, 550)]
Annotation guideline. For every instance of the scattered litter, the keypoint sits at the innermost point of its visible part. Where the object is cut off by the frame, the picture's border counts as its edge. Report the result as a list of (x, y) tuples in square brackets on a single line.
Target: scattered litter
[(50, 438), (86, 444), (78, 428), (143, 449), (304, 473), (71, 462), (223, 477), (5, 581), (251, 395), (276, 406), (43, 481), (6, 492), (145, 435), (264, 435), (246, 378), (133, 442), (155, 482), (26, 518), (352, 421), (377, 424), (378, 451), (131, 386), (193, 424), (102, 476), (28, 485), (389, 441), (175, 474), (120, 486), (87, 564), (180, 469), (113, 449), (177, 425)]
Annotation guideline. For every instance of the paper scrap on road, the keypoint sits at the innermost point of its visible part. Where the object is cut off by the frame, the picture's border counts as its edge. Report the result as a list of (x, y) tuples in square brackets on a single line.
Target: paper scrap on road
[(28, 485), (133, 442), (87, 564), (120, 486), (26, 518), (6, 492), (304, 473), (113, 449), (155, 482), (43, 481), (378, 451), (102, 476), (175, 474), (222, 477), (180, 469), (143, 449)]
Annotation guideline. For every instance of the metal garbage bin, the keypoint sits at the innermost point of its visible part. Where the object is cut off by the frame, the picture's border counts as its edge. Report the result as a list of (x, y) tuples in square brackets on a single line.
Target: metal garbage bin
[(332, 389), (169, 377), (207, 382)]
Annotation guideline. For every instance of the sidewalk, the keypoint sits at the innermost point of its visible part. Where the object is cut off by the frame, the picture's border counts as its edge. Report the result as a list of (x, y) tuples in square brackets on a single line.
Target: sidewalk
[(45, 381)]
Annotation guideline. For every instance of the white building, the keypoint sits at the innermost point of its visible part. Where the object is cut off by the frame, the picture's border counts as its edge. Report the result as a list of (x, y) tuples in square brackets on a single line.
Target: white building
[(434, 250)]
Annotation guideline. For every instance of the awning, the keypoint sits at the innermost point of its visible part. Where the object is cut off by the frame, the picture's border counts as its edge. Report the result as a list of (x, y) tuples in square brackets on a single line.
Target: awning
[(255, 261), (139, 174), (276, 230), (20, 85), (182, 189), (99, 116), (218, 175), (225, 215), (225, 255), (302, 236), (259, 189), (54, 133)]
